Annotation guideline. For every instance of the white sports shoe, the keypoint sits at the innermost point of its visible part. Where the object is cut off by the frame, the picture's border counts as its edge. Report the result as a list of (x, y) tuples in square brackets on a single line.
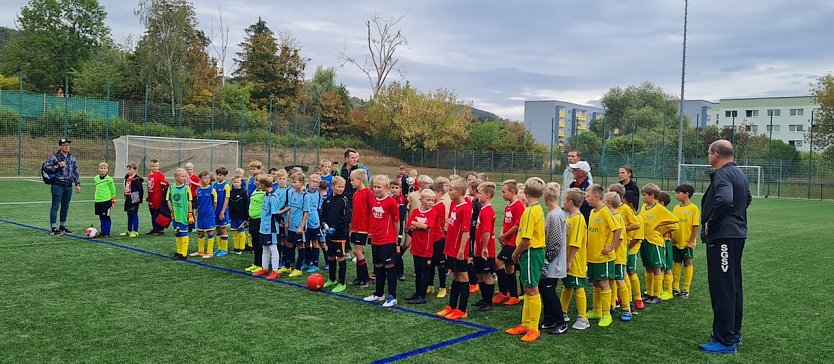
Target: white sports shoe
[(391, 302), (581, 324), (374, 298)]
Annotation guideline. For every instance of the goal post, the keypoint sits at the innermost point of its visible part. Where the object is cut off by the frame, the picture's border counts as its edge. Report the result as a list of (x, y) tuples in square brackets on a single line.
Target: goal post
[(173, 153), (697, 175)]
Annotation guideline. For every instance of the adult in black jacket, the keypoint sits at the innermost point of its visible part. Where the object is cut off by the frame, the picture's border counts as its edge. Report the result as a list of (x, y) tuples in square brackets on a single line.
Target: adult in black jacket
[(724, 221), (632, 193)]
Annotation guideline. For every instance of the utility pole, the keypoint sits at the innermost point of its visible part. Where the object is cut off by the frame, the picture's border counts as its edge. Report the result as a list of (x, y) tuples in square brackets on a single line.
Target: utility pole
[(683, 80)]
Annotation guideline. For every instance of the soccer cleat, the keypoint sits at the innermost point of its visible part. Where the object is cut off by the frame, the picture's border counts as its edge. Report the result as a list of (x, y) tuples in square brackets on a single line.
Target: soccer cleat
[(531, 336), (126, 233), (208, 255), (716, 347), (133, 234), (390, 302), (355, 282), (498, 298), (517, 330), (484, 308), (196, 254), (273, 276), (559, 329), (182, 257), (473, 288), (417, 301), (56, 232), (676, 293), (150, 232), (653, 300), (221, 253), (456, 314), (684, 295), (284, 270), (260, 272), (296, 273), (605, 321), (176, 256), (374, 298), (666, 296), (366, 284), (158, 233), (581, 324), (429, 289), (626, 316), (546, 325), (639, 304), (565, 317), (237, 252), (65, 230), (339, 288), (591, 315), (441, 293), (445, 311), (329, 284), (305, 267), (313, 269), (252, 268), (512, 301), (736, 338)]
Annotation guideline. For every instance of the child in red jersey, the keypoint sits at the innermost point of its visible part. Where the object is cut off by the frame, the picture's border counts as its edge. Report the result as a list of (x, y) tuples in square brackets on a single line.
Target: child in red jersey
[(485, 246), (359, 223), (402, 204), (457, 251), (507, 284), (383, 229), (157, 186), (438, 239), (419, 227)]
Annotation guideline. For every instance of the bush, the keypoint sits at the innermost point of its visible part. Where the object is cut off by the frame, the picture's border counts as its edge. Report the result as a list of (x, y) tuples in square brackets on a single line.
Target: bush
[(9, 122)]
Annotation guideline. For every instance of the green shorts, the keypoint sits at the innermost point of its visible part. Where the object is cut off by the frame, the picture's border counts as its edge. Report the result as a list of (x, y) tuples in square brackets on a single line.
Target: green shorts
[(680, 255), (532, 262), (575, 282), (631, 263), (619, 272), (653, 256), (669, 260), (601, 271)]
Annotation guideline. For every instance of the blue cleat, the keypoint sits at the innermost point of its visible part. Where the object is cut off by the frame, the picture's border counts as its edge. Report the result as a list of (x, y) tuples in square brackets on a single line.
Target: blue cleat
[(716, 347), (626, 316), (220, 253), (304, 267), (312, 269)]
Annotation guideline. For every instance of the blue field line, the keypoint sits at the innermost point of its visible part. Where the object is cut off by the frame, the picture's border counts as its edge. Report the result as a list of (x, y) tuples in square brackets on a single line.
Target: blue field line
[(482, 330)]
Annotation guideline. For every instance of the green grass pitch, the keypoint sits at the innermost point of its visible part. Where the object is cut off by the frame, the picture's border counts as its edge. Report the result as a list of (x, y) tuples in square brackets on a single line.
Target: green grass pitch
[(71, 300)]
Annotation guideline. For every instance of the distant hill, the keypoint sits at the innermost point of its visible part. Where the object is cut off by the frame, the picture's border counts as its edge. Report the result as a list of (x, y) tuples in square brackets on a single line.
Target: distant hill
[(5, 35), (482, 115)]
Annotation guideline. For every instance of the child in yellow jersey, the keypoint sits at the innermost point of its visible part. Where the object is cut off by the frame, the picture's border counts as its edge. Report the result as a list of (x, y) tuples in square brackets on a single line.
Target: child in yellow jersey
[(631, 263), (604, 232), (577, 258), (653, 250), (630, 226), (689, 220), (668, 261), (529, 253)]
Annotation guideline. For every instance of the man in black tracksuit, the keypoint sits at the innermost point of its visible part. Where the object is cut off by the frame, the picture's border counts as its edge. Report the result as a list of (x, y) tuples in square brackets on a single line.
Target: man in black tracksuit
[(724, 221)]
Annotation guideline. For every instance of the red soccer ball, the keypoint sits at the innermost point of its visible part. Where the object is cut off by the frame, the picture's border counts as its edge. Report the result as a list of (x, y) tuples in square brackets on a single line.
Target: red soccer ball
[(315, 282)]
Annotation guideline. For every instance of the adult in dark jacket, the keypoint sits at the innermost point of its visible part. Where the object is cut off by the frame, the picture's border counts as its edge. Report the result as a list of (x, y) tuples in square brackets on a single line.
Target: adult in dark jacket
[(351, 164), (63, 166), (581, 171), (134, 194), (724, 221), (632, 193)]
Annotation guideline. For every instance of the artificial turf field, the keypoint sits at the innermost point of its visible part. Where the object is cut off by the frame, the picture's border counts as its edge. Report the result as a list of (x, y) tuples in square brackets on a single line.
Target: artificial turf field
[(66, 299)]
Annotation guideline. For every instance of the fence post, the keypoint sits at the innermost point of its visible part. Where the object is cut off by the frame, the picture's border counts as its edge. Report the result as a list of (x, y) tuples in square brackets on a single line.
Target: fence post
[(318, 138), (552, 127), (437, 159), (601, 158), (473, 159), (20, 126), (179, 132), (779, 183), (295, 139), (811, 154), (66, 104), (769, 141), (269, 139), (211, 158), (455, 161), (107, 124), (242, 111), (145, 121)]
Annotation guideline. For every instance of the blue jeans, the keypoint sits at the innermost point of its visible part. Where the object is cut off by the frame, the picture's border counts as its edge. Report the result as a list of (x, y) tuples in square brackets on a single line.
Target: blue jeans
[(61, 195)]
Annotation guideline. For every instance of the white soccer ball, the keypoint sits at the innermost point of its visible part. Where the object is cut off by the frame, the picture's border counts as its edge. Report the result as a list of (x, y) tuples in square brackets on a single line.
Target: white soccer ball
[(91, 232)]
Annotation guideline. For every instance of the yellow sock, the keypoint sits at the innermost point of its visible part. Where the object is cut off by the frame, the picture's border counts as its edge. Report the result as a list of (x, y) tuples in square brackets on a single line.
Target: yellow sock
[(223, 244), (564, 299), (625, 296), (178, 244), (234, 239), (688, 272), (525, 314), (657, 284), (676, 276), (667, 283), (597, 301), (210, 244), (201, 244), (238, 240), (635, 287), (581, 303), (605, 301), (535, 314), (613, 285), (650, 284), (248, 240)]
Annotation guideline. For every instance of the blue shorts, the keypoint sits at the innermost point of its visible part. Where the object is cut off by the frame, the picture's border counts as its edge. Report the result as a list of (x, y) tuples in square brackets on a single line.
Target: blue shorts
[(238, 225), (223, 221), (179, 226), (205, 223)]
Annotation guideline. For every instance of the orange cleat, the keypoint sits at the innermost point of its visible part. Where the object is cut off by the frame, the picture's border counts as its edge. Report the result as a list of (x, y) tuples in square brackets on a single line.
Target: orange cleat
[(447, 310), (474, 288), (275, 275), (498, 298), (639, 304), (261, 272), (456, 314), (512, 301), (518, 330), (530, 336)]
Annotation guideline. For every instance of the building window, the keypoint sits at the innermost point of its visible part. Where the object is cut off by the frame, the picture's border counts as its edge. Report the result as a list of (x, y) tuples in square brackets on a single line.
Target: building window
[(730, 113), (751, 128), (795, 143), (797, 127), (775, 128), (752, 113), (774, 112), (797, 112)]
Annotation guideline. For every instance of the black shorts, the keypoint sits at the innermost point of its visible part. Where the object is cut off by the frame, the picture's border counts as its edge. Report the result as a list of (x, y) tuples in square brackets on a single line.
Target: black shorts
[(295, 239), (103, 208), (457, 265), (484, 265), (358, 238), (312, 235), (438, 259), (506, 254), (337, 248), (384, 254), (266, 239)]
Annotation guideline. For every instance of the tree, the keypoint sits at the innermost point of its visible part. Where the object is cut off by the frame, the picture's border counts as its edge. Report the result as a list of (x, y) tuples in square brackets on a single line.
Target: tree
[(643, 106), (107, 67), (383, 41), (485, 135), (5, 36), (55, 38), (204, 78), (324, 97), (220, 49), (823, 95)]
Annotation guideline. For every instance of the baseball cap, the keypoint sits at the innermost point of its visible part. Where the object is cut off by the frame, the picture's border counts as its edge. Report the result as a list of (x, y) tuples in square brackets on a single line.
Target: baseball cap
[(583, 165), (63, 141)]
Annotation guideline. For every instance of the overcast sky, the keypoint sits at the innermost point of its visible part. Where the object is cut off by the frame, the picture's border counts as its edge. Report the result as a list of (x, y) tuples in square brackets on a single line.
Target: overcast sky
[(497, 54)]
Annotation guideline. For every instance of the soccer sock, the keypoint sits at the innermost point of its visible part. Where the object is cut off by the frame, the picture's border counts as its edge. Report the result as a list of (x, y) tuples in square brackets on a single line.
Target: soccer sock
[(210, 244), (535, 313), (688, 272), (635, 287), (625, 296), (581, 303), (605, 301), (657, 283), (442, 273), (265, 258), (613, 285), (201, 244), (276, 257), (314, 260), (289, 256), (650, 283), (301, 255), (224, 242), (463, 301), (525, 314), (483, 289), (512, 285), (178, 244), (248, 239), (331, 274), (380, 281), (597, 301), (362, 270), (565, 297), (676, 276), (235, 239), (392, 280), (502, 282), (342, 271), (667, 283), (454, 295)]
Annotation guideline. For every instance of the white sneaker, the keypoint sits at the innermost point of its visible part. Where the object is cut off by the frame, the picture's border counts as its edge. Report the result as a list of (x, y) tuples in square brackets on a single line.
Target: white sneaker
[(374, 298), (565, 315), (390, 303), (581, 324), (209, 255), (195, 254)]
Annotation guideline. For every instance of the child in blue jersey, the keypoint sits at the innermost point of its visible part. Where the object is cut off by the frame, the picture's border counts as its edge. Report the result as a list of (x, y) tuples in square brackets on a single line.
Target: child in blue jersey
[(256, 167), (269, 227), (326, 176), (312, 233), (282, 192), (206, 220), (224, 191), (296, 223)]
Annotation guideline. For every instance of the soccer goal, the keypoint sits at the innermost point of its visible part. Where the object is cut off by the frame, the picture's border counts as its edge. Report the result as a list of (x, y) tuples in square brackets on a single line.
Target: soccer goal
[(697, 175), (173, 153)]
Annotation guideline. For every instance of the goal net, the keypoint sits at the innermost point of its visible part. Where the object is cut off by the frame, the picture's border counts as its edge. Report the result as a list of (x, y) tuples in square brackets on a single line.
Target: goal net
[(697, 175), (173, 153)]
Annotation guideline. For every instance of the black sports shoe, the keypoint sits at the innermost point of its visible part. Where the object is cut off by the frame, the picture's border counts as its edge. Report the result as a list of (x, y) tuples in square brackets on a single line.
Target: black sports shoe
[(150, 232), (401, 277), (56, 232), (547, 325), (484, 308), (652, 300), (65, 230), (355, 282), (559, 329), (413, 296), (479, 303), (176, 256), (417, 301)]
